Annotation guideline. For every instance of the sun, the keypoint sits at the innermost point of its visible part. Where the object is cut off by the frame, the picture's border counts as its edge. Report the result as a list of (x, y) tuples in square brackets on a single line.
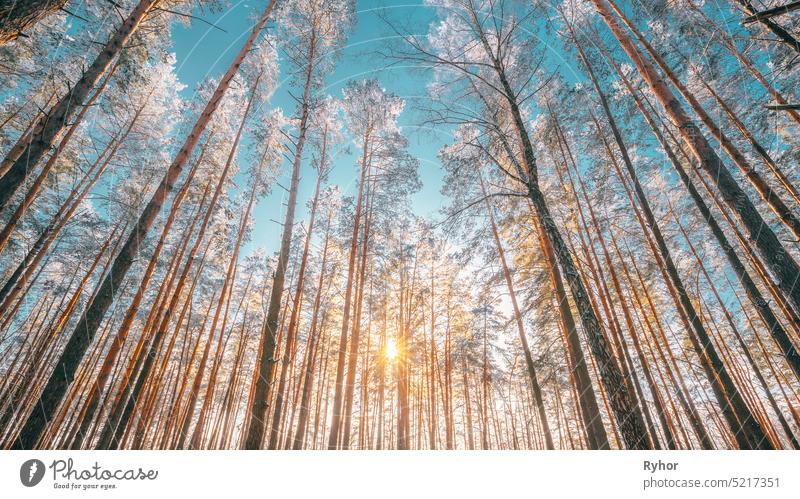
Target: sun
[(391, 350)]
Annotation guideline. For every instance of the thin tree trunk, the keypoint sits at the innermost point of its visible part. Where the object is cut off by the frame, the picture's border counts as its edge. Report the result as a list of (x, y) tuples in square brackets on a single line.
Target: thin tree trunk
[(227, 289), (526, 350), (264, 374), (467, 403), (293, 321), (17, 281), (592, 421), (742, 345), (757, 147)]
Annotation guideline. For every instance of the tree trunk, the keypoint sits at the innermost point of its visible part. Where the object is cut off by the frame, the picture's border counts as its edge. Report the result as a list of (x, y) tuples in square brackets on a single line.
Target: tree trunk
[(227, 287), (467, 403), (729, 44), (255, 432), (526, 351), (17, 281), (592, 421), (122, 332), (757, 147), (485, 388)]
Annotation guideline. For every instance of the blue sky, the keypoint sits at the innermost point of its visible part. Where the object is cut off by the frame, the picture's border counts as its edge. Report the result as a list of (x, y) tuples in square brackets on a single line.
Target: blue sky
[(204, 51)]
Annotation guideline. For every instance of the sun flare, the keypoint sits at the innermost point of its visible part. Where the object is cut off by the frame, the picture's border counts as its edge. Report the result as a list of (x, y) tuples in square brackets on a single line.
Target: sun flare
[(391, 350)]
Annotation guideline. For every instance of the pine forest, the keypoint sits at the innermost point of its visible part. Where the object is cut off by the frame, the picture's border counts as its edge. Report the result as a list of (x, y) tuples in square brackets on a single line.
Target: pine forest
[(386, 224)]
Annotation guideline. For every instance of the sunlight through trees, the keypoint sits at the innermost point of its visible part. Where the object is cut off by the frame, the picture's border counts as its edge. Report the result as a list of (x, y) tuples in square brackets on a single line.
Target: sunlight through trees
[(231, 252)]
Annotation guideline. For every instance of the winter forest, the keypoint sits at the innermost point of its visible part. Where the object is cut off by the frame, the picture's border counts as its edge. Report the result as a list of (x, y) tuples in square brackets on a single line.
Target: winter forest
[(438, 224)]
